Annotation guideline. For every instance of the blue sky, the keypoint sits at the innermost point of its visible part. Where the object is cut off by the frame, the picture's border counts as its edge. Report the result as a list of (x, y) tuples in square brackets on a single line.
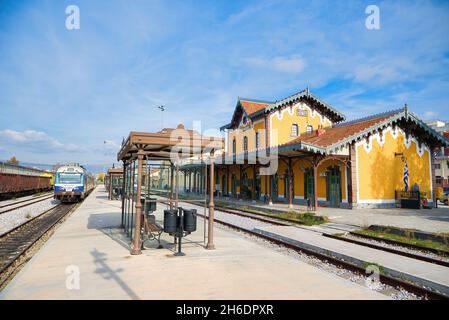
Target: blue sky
[(64, 92)]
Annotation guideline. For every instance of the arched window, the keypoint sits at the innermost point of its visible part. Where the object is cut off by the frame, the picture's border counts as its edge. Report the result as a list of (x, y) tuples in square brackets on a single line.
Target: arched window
[(233, 146), (309, 128), (245, 143), (294, 132)]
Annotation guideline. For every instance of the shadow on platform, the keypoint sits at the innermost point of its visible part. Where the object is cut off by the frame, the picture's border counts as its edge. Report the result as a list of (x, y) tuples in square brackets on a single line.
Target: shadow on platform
[(100, 260)]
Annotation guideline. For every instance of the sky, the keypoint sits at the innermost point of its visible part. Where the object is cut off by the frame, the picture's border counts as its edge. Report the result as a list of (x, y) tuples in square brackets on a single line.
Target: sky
[(73, 95)]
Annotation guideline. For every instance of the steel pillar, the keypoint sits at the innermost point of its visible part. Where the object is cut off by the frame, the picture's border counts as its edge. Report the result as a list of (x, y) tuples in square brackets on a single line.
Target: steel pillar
[(136, 248), (210, 231)]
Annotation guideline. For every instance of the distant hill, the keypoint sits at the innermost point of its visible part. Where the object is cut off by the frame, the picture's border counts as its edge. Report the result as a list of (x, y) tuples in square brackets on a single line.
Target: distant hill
[(93, 168)]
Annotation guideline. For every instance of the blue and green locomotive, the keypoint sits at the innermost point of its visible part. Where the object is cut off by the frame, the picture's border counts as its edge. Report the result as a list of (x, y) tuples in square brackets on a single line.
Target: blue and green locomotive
[(72, 183)]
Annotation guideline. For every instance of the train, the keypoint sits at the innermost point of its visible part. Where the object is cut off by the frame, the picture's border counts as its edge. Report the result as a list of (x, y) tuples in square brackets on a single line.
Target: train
[(17, 181), (73, 183)]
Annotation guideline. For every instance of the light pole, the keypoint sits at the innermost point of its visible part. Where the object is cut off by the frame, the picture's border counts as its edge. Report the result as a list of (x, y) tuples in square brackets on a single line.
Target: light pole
[(162, 108)]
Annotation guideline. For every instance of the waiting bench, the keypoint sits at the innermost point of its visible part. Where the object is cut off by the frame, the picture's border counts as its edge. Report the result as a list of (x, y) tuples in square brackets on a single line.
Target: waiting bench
[(152, 230)]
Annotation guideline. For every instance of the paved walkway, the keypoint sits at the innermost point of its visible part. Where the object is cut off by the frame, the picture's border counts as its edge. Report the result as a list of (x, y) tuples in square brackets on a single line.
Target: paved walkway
[(239, 268), (433, 220)]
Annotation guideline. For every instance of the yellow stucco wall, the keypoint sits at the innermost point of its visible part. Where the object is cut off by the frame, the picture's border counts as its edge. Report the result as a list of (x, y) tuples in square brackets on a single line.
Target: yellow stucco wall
[(280, 127), (281, 122), (380, 173), (250, 133)]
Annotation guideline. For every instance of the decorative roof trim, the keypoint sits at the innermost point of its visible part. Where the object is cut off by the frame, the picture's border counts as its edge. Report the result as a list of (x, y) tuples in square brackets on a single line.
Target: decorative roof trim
[(404, 114), (300, 95)]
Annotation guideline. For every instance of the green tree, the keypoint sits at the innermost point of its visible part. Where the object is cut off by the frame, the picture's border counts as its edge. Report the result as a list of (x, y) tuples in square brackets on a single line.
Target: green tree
[(13, 160), (100, 177)]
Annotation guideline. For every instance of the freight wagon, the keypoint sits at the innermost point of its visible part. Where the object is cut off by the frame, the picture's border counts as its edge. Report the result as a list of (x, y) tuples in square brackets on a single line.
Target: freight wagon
[(16, 181)]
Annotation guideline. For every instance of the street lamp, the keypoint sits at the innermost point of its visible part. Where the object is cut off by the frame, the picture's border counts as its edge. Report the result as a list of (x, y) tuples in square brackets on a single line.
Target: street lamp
[(162, 108)]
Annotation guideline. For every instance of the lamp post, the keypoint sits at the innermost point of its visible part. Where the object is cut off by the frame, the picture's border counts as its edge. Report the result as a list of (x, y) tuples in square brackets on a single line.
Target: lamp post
[(162, 108)]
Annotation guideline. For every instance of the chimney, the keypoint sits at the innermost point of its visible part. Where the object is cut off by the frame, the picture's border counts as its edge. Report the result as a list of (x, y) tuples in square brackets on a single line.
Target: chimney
[(320, 131)]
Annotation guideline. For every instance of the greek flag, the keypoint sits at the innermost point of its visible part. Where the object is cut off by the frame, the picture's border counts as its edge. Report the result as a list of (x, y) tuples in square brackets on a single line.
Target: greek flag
[(405, 176)]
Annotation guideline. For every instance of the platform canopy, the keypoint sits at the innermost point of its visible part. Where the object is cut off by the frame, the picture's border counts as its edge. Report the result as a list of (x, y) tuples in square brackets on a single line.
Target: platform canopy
[(115, 171), (160, 145)]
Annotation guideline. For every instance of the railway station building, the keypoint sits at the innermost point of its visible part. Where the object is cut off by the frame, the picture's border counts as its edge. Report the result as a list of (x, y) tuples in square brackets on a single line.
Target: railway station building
[(322, 160)]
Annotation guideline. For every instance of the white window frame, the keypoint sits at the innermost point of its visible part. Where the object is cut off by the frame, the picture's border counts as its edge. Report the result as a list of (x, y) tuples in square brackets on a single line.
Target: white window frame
[(296, 133)]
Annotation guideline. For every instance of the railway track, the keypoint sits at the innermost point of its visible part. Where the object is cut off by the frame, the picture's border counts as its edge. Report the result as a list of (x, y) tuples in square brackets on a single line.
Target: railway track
[(15, 243), (388, 280), (24, 203), (378, 246)]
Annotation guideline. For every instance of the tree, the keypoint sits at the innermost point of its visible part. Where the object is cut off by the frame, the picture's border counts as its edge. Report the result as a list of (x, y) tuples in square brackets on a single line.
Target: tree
[(13, 160), (439, 193), (100, 177)]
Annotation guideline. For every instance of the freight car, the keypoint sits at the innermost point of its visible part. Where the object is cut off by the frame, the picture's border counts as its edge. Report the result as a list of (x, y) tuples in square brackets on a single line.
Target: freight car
[(72, 183), (16, 181)]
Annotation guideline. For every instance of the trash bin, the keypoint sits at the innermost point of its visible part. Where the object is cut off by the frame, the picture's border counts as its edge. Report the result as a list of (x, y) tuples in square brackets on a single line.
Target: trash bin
[(149, 204), (190, 220), (170, 218)]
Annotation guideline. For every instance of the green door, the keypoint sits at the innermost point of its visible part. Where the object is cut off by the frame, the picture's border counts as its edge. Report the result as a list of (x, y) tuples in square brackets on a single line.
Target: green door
[(258, 187), (224, 185), (308, 185), (234, 186), (274, 187), (334, 187)]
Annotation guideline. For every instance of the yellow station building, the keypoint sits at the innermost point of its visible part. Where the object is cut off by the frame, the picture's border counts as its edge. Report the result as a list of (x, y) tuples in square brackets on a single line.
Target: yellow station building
[(320, 156)]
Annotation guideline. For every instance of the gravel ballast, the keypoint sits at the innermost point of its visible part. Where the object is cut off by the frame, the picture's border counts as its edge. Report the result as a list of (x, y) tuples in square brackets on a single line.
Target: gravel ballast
[(10, 220)]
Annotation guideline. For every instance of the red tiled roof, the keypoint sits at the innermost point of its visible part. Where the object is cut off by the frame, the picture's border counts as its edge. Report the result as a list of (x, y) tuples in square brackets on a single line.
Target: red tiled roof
[(253, 106), (335, 134)]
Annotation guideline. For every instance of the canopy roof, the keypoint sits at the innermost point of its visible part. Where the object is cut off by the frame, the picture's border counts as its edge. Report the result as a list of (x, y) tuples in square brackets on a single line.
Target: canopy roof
[(115, 171), (159, 145)]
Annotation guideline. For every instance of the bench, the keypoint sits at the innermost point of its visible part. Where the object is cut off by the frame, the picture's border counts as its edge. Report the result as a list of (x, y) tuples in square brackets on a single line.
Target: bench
[(152, 230)]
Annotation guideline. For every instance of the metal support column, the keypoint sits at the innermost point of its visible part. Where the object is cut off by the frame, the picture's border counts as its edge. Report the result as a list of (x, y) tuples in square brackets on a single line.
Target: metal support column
[(110, 187), (290, 183), (210, 233), (136, 249), (171, 185), (253, 195), (315, 184), (123, 195)]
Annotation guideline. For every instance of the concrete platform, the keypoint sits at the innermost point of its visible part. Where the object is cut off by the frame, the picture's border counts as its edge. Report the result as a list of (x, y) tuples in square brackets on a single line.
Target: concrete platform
[(433, 220), (421, 272), (89, 241)]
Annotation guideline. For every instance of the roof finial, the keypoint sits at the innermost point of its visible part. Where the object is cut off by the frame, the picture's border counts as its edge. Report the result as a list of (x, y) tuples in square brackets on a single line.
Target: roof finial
[(406, 109), (307, 89)]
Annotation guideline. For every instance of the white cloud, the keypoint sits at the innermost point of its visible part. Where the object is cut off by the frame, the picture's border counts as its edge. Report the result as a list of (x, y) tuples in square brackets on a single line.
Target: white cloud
[(430, 115), (291, 64), (110, 147), (37, 141)]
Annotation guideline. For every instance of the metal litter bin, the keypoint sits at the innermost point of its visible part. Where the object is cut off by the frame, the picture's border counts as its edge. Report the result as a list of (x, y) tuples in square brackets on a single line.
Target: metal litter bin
[(190, 220), (170, 219)]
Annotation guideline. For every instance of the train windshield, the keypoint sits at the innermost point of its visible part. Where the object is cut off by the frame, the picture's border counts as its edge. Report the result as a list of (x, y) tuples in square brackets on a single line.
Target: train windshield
[(69, 178)]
